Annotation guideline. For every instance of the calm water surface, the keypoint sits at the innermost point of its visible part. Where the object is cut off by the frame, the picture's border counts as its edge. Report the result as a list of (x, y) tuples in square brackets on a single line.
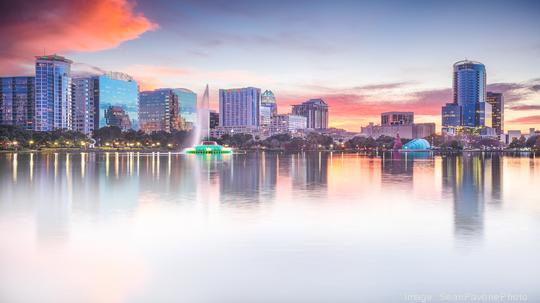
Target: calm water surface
[(268, 227)]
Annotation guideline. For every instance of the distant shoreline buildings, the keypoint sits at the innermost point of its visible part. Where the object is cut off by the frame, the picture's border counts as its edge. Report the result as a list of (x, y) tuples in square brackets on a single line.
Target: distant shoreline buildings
[(399, 123), (55, 99)]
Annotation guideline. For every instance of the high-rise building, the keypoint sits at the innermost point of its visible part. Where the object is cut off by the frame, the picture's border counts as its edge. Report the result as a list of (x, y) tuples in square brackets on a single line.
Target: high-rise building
[(316, 112), (239, 107), (187, 101), (470, 93), (268, 107), (94, 96), (397, 118), (53, 107), (497, 106), (214, 119), (17, 101), (84, 113), (158, 110)]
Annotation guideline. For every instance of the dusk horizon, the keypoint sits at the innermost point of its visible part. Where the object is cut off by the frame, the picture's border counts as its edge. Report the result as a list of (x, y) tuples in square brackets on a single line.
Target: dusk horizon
[(360, 58)]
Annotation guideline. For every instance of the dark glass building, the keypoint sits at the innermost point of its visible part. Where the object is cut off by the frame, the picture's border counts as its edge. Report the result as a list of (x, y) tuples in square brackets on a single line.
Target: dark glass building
[(316, 112), (214, 119), (158, 111), (17, 101), (497, 106), (451, 115)]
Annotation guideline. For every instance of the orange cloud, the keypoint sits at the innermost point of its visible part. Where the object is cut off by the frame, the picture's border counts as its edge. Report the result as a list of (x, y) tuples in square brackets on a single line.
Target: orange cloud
[(528, 120), (28, 28)]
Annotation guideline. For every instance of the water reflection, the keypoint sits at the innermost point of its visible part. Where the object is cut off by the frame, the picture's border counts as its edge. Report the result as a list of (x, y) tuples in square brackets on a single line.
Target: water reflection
[(216, 222), (467, 176)]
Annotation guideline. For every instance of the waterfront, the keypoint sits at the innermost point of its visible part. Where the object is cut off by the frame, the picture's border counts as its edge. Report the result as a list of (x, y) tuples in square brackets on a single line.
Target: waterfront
[(266, 227)]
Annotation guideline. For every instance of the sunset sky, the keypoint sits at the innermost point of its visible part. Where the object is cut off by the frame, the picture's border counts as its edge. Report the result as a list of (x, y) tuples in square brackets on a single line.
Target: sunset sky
[(362, 57)]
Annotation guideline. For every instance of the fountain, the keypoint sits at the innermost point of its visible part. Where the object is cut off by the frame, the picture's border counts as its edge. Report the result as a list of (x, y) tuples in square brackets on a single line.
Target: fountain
[(201, 131)]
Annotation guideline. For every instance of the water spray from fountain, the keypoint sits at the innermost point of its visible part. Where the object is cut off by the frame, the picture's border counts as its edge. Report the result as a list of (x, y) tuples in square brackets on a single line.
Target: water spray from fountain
[(201, 132), (202, 127)]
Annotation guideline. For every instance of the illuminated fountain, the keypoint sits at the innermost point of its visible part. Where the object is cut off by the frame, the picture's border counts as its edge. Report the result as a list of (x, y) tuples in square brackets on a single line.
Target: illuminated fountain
[(201, 131)]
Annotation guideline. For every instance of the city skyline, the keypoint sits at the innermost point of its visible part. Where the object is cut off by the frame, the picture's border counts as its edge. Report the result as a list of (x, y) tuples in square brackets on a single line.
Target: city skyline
[(361, 58)]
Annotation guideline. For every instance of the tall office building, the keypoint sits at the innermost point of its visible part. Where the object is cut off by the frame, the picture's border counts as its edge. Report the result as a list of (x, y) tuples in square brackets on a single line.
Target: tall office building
[(17, 101), (268, 108), (497, 106), (316, 112), (94, 96), (53, 107), (239, 107), (470, 93), (84, 114), (158, 111), (187, 101)]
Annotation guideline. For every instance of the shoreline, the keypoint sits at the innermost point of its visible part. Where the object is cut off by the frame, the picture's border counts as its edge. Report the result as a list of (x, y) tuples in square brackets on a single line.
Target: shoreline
[(245, 151)]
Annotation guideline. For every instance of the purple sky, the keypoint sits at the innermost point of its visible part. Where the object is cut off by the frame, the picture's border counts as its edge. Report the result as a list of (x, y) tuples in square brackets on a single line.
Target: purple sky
[(362, 57)]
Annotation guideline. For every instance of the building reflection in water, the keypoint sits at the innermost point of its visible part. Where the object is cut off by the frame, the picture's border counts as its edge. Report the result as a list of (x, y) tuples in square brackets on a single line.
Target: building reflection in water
[(397, 168), (309, 170), (467, 177)]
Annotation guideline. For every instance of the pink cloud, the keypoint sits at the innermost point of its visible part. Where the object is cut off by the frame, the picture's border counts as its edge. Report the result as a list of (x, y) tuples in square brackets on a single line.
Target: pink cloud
[(29, 28)]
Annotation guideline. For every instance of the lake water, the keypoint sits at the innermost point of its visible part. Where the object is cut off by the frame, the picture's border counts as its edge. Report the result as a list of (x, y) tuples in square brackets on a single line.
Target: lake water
[(268, 227)]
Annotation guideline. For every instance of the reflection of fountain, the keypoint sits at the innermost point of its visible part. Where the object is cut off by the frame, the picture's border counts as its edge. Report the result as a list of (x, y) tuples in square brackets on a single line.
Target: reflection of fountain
[(202, 131)]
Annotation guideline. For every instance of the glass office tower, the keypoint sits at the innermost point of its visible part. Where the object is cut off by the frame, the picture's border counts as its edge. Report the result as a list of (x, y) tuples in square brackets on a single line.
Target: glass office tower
[(53, 107), (95, 96), (118, 90), (470, 93), (17, 101), (239, 107), (497, 106), (451, 115), (158, 110), (187, 101)]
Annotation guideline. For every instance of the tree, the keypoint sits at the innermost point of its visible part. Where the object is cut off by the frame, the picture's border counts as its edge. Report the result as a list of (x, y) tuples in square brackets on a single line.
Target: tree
[(107, 134), (518, 143), (456, 145), (531, 142)]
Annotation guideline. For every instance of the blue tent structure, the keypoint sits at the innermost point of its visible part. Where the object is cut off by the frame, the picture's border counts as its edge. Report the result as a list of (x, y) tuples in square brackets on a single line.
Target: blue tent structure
[(417, 144)]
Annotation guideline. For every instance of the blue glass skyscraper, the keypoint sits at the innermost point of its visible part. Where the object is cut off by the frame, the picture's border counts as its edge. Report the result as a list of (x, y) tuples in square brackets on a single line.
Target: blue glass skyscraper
[(53, 107), (95, 96), (470, 93), (17, 101)]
